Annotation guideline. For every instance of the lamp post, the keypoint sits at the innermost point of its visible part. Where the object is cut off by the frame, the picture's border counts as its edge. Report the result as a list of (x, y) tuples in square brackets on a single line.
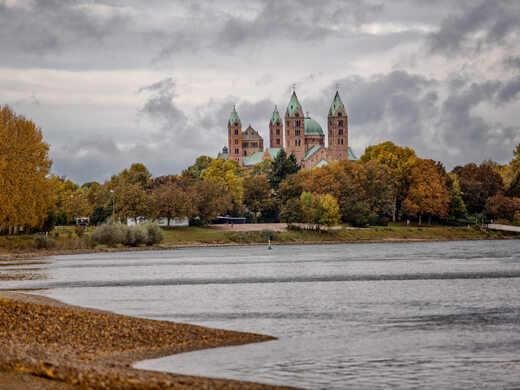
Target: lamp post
[(113, 202)]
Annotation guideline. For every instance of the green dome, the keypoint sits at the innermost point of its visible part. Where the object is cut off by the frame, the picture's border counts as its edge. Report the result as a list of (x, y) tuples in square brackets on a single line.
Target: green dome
[(312, 127)]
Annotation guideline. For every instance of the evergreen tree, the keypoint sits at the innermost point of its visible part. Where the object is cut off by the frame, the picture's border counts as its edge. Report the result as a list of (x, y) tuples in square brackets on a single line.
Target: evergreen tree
[(281, 168)]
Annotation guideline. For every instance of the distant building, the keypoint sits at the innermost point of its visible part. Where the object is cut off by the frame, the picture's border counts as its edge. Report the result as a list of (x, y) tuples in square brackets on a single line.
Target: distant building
[(304, 137)]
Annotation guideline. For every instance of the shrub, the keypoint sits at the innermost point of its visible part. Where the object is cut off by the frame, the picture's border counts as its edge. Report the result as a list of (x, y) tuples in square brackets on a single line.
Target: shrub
[(111, 233), (155, 233), (43, 241)]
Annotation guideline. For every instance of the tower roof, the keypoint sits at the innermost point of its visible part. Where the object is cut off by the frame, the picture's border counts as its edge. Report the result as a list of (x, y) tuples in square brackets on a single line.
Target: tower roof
[(336, 104), (276, 116), (293, 104), (234, 117)]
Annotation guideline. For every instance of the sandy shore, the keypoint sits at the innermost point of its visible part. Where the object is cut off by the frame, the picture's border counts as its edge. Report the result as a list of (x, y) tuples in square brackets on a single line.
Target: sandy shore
[(45, 344)]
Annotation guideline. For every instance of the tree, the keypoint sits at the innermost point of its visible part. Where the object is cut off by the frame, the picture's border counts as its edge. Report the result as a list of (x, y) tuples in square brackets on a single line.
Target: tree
[(257, 194), (515, 162), (456, 207), (329, 210), (170, 200), (282, 167), (379, 189), (514, 187), (478, 183), (209, 200), (291, 212), (399, 160), (501, 206), (262, 168), (25, 191), (427, 193), (130, 200), (228, 177), (194, 171)]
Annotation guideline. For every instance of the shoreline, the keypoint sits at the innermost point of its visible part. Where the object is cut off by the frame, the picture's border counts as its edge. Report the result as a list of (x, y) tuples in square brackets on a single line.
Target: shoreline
[(18, 255), (45, 343)]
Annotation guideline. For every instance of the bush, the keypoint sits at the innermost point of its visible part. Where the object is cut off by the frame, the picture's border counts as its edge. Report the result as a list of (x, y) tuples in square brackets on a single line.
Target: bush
[(42, 241), (111, 233)]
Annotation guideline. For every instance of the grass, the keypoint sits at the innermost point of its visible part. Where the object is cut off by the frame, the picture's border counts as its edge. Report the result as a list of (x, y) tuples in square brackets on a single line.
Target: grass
[(66, 238)]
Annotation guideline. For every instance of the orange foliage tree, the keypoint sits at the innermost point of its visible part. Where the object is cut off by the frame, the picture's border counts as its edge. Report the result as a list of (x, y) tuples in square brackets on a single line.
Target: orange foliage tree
[(428, 193)]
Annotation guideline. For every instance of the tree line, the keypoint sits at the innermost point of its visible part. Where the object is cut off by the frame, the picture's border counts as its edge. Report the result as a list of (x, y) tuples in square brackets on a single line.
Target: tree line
[(388, 183)]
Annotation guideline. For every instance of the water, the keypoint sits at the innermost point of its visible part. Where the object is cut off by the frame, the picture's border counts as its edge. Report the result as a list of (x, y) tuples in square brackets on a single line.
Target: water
[(403, 315)]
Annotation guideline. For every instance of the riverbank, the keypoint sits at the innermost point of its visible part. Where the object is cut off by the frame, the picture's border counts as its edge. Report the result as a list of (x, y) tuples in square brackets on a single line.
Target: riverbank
[(47, 344), (253, 234)]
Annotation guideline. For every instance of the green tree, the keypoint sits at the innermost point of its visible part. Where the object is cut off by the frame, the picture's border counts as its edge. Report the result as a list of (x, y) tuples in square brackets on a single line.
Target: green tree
[(329, 210), (291, 212), (456, 206), (282, 167), (194, 171), (257, 194)]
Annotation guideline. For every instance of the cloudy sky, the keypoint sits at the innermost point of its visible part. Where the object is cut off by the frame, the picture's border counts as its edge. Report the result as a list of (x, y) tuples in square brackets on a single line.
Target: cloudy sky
[(112, 82)]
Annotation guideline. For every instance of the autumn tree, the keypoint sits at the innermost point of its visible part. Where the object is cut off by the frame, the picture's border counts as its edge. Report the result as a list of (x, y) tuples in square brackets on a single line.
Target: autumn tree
[(209, 200), (130, 200), (170, 200), (257, 194), (399, 160), (25, 191), (427, 193), (228, 176), (477, 184), (501, 206)]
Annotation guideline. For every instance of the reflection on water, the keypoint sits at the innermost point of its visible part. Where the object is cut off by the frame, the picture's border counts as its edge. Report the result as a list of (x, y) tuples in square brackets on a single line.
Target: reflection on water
[(406, 315)]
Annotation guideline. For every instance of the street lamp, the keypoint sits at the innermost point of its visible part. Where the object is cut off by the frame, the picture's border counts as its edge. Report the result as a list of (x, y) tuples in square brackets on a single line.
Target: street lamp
[(113, 202)]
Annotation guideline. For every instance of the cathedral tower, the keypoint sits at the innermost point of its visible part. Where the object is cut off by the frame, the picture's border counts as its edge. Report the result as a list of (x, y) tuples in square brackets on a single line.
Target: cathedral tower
[(295, 129), (338, 129), (276, 130), (235, 137)]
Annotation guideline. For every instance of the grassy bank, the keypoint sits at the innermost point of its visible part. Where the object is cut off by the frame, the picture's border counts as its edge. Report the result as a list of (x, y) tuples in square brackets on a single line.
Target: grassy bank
[(66, 241), (204, 236)]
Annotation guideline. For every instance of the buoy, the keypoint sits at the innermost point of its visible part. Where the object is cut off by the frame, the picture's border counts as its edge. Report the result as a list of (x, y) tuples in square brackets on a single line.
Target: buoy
[(269, 247)]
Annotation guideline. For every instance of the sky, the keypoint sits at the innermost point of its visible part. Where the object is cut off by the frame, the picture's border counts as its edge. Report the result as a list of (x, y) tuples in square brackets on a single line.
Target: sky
[(114, 82)]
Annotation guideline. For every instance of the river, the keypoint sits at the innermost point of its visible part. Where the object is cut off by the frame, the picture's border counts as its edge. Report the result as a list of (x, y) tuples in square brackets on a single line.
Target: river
[(369, 316)]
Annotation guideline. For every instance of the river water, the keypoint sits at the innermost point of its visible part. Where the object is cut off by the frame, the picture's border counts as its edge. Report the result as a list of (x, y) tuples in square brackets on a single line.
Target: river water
[(369, 316)]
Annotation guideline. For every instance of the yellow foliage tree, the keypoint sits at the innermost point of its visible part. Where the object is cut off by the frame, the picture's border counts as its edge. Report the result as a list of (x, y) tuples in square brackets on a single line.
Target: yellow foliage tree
[(25, 191), (228, 176)]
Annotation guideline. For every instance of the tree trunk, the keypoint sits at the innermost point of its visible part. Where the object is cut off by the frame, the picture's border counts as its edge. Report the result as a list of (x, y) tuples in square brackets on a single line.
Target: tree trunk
[(395, 209), (420, 219), (429, 219)]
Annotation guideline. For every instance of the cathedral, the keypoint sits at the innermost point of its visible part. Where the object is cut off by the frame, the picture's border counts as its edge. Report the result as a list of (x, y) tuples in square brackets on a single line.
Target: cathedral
[(304, 137)]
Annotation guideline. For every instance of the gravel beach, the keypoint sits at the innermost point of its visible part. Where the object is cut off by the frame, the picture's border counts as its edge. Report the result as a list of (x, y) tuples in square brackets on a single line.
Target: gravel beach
[(46, 344)]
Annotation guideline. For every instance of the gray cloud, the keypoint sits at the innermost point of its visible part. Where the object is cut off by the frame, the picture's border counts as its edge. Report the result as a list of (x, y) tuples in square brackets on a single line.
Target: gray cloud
[(475, 28)]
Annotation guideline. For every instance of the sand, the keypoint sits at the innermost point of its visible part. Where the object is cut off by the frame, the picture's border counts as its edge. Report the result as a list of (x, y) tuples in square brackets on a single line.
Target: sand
[(46, 344)]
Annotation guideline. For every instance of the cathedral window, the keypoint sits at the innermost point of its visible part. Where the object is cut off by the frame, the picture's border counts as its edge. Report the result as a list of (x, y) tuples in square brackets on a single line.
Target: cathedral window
[(297, 132), (287, 123), (277, 131), (297, 115), (340, 123), (295, 142), (236, 131), (340, 132), (342, 141), (236, 142), (299, 142), (339, 113), (278, 141), (245, 153), (237, 151), (338, 141)]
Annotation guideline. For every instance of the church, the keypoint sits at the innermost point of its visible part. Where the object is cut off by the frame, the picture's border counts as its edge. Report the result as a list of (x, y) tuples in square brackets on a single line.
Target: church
[(303, 136)]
